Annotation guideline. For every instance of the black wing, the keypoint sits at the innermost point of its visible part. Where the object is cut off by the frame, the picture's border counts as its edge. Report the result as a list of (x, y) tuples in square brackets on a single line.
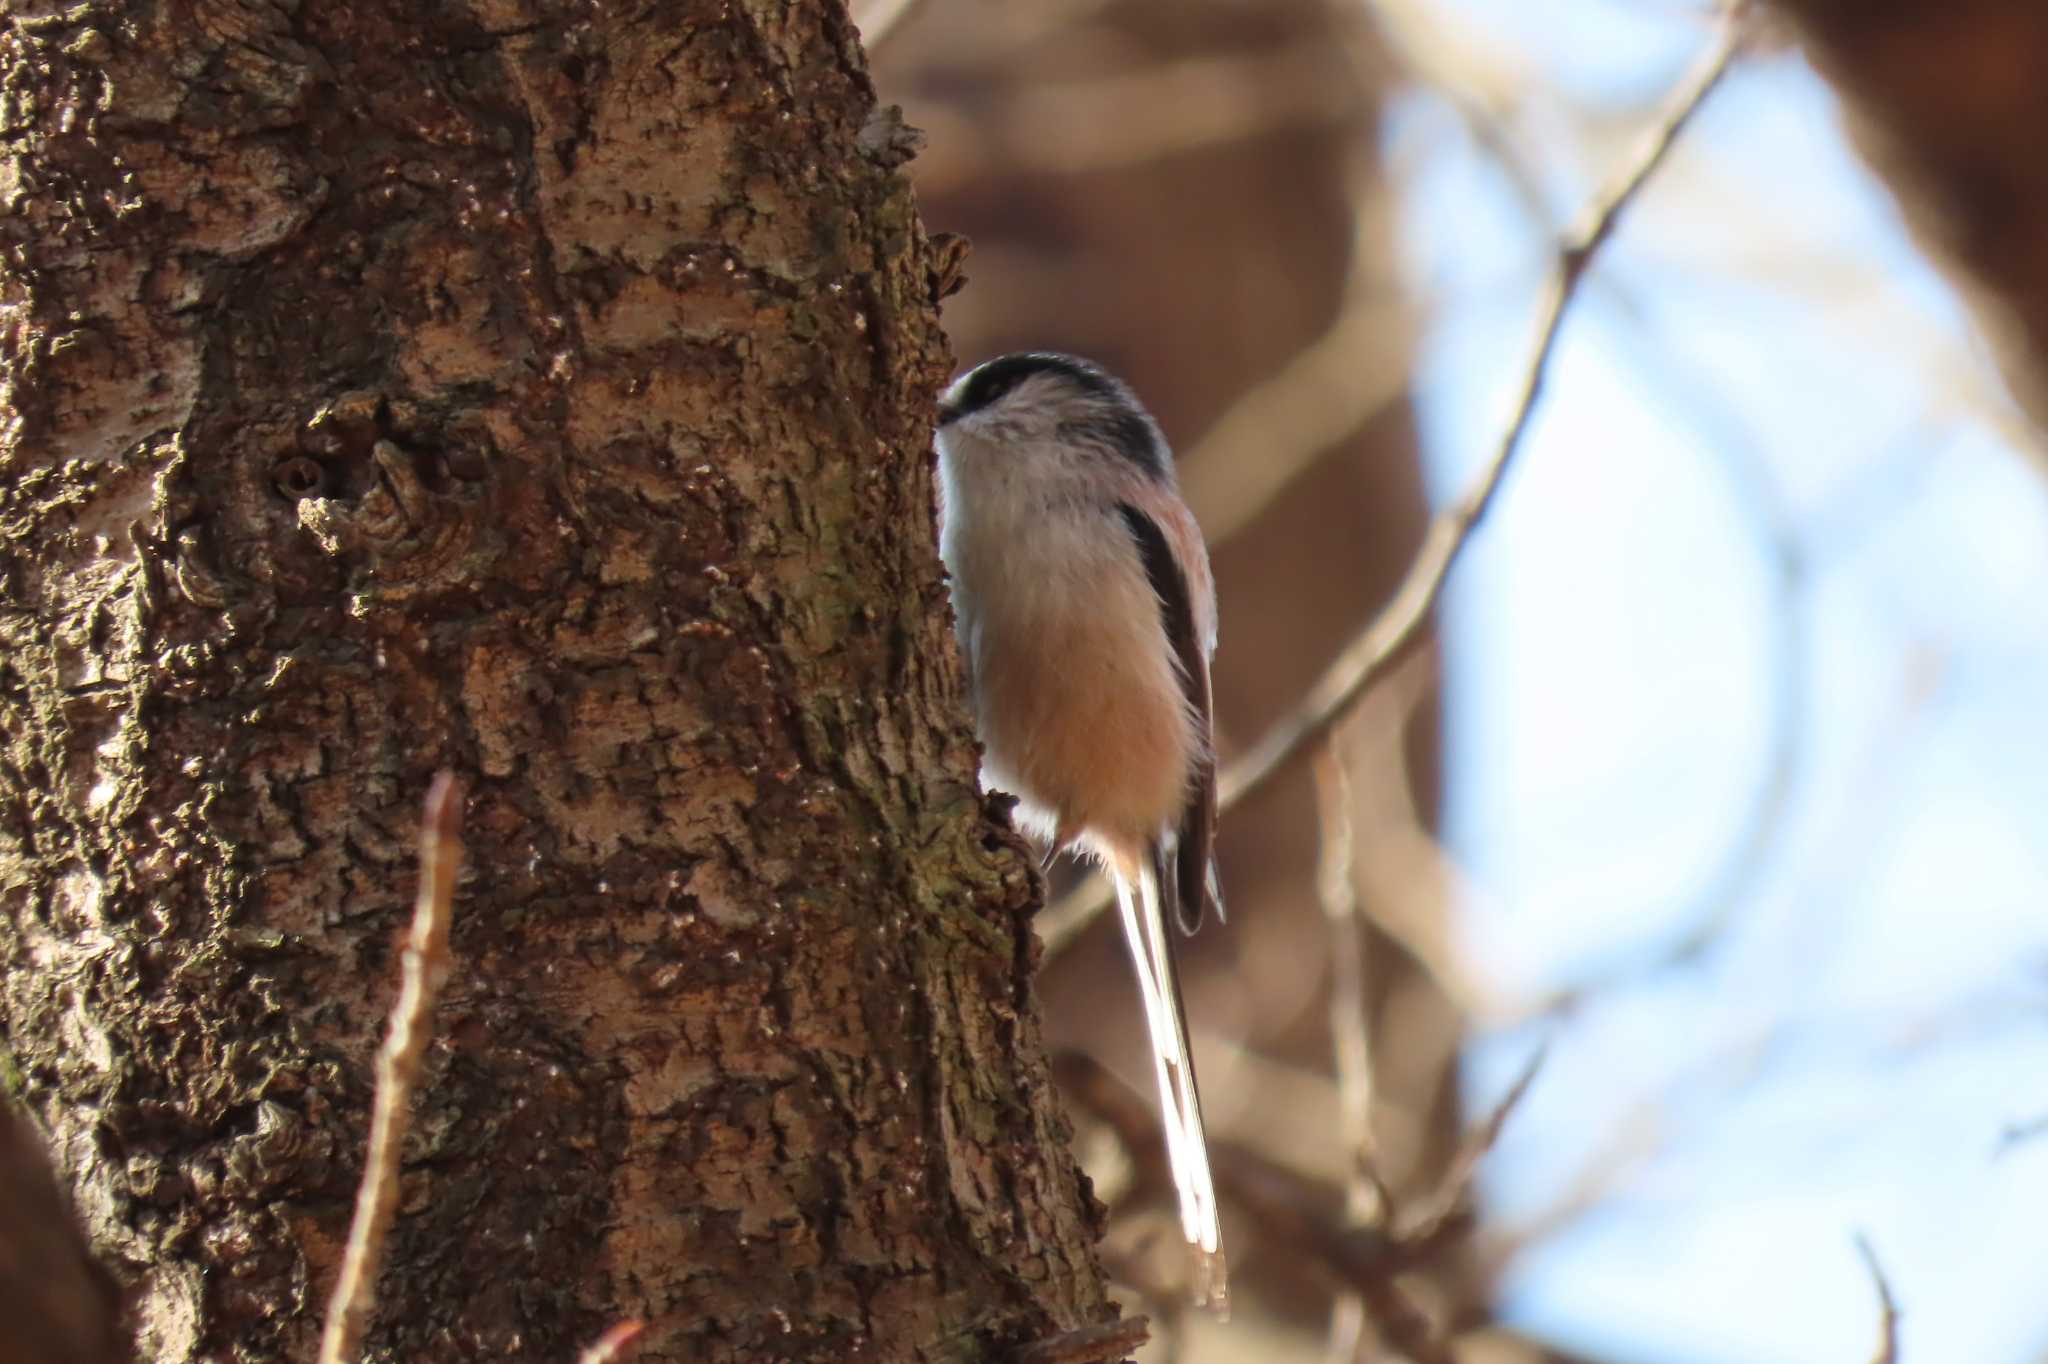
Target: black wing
[(1187, 885)]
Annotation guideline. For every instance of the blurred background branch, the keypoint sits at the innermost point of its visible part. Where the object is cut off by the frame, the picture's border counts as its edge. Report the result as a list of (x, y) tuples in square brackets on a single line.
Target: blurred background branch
[(1887, 1310), (1400, 624)]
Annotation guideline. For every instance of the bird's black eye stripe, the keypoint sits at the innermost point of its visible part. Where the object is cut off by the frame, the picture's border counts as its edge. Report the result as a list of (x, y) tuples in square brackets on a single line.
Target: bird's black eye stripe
[(991, 382)]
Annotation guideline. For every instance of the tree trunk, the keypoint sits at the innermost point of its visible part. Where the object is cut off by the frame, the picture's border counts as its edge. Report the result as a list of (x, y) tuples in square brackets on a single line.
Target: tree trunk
[(1949, 106), (542, 393)]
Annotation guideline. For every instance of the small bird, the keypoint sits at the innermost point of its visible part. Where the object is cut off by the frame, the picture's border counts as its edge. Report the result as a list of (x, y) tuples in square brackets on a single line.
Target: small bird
[(1087, 616)]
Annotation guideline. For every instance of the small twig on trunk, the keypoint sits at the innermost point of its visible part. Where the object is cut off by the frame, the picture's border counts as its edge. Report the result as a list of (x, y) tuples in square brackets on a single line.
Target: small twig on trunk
[(424, 964), (612, 1344), (1089, 1345)]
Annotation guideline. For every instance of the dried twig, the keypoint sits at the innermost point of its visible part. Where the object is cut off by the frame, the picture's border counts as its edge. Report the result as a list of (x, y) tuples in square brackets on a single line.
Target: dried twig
[(1399, 624), (424, 962), (1888, 1308), (1089, 1344), (1450, 1206), (612, 1344)]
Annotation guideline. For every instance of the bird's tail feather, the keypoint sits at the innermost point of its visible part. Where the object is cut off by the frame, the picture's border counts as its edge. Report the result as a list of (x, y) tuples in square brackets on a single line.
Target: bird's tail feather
[(1144, 910)]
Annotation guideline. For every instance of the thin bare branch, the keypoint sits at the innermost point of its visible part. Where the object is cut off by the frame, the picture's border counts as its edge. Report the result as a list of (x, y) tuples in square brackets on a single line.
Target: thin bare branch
[(424, 964), (1454, 1195), (1350, 1012), (1888, 1307), (1305, 1214), (1399, 625), (1361, 365), (1350, 1025)]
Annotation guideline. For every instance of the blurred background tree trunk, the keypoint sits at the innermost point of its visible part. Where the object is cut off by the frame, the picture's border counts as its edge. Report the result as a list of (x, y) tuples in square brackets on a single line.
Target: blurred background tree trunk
[(540, 393), (1949, 103), (57, 1304)]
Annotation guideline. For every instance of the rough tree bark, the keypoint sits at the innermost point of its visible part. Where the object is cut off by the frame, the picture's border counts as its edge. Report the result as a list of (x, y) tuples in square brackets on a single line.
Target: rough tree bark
[(541, 391)]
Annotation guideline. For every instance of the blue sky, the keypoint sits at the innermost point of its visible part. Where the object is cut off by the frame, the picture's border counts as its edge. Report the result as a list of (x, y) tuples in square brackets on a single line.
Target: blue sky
[(1753, 637)]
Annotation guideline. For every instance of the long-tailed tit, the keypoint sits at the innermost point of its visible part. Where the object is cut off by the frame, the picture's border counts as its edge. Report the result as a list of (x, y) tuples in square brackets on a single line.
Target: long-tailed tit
[(1085, 609)]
